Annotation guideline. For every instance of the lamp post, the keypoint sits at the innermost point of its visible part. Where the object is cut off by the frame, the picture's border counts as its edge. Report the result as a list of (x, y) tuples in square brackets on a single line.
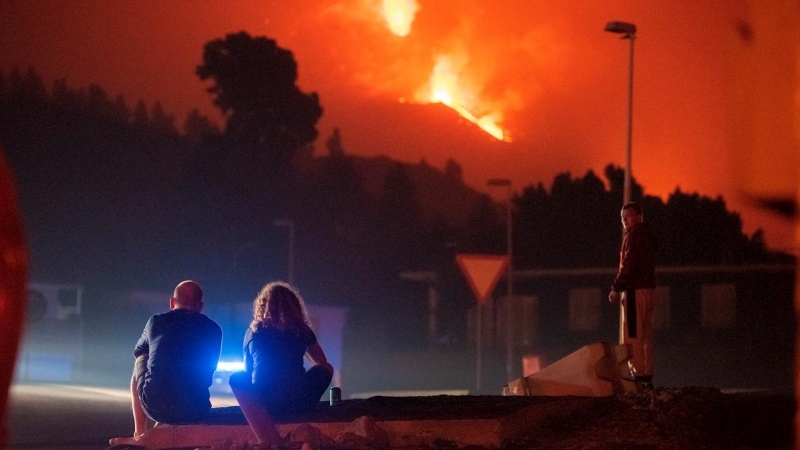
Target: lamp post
[(628, 31), (289, 224), (496, 182)]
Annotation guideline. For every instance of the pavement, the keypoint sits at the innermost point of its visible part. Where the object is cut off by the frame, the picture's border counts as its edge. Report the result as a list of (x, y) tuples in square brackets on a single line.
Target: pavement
[(71, 417)]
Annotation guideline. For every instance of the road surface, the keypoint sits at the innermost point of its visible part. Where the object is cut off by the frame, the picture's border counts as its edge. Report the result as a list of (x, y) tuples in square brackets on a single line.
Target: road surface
[(67, 417)]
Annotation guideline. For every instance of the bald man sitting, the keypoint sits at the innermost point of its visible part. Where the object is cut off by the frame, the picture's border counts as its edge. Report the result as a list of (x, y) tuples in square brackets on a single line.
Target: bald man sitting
[(175, 361)]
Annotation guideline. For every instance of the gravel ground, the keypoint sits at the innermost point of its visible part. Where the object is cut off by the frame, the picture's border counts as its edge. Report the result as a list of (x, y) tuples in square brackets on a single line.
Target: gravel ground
[(660, 418), (678, 418)]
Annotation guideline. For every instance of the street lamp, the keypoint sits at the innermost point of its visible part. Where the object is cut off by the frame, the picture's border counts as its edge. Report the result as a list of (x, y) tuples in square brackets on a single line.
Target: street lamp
[(289, 224), (628, 31), (496, 182)]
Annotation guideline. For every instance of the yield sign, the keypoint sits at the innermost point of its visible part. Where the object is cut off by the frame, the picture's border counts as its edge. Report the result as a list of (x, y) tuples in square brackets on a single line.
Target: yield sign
[(482, 272)]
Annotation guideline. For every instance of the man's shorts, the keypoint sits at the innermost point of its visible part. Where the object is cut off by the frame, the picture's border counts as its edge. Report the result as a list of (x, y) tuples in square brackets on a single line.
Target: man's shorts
[(157, 405)]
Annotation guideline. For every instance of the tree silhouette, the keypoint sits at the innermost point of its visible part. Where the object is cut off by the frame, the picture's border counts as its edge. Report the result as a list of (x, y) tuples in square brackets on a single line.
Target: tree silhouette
[(398, 222), (254, 85), (198, 127), (616, 181), (576, 224), (141, 118), (162, 122), (696, 229), (333, 206), (28, 86), (453, 170), (334, 144)]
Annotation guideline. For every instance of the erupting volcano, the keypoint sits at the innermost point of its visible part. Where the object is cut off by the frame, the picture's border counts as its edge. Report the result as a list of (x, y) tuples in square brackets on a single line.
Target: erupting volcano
[(447, 83)]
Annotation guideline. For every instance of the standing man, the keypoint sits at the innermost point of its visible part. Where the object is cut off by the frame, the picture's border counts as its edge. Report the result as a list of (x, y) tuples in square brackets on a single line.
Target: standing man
[(175, 361), (634, 287)]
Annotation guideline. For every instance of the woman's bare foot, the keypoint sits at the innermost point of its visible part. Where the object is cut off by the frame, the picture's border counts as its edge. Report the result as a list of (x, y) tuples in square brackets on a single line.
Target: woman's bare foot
[(126, 440), (137, 436)]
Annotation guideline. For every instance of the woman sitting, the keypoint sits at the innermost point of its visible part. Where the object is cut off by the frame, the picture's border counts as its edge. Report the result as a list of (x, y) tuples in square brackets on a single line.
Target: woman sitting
[(274, 346)]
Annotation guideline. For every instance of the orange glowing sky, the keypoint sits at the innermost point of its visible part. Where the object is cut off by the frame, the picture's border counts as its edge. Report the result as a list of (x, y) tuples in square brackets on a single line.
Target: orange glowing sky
[(546, 70)]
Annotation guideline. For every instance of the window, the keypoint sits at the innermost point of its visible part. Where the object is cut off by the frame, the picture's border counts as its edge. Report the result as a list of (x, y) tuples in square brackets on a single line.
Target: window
[(718, 305), (69, 302), (661, 312), (584, 309)]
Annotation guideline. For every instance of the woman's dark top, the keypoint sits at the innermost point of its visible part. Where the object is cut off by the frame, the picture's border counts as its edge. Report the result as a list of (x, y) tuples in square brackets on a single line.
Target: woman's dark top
[(274, 359)]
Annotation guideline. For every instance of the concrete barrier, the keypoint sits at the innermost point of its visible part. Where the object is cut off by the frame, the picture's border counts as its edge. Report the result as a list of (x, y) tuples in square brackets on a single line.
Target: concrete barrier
[(595, 370), (383, 422)]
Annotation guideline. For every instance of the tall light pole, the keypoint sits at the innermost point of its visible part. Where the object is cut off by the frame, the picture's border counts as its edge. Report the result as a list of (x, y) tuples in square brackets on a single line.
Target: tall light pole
[(289, 224), (628, 31), (509, 277)]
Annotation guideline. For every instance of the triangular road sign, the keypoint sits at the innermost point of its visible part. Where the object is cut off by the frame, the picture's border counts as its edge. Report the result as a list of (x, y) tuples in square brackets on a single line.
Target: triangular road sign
[(482, 272)]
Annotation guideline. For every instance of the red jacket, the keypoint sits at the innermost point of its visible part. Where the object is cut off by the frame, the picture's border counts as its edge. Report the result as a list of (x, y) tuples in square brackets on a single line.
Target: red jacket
[(637, 260)]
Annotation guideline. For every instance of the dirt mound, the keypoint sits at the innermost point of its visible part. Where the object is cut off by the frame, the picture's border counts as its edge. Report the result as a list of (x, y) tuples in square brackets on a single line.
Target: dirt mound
[(660, 418), (677, 418)]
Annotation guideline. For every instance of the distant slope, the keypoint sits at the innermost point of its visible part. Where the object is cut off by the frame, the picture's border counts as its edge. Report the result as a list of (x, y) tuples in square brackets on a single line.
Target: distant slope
[(440, 196)]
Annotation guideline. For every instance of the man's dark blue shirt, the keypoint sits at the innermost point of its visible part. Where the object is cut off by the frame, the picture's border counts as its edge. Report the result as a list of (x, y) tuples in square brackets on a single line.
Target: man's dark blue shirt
[(183, 349)]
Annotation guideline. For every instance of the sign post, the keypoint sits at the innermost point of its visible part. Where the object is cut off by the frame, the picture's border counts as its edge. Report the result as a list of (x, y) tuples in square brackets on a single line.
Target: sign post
[(482, 273)]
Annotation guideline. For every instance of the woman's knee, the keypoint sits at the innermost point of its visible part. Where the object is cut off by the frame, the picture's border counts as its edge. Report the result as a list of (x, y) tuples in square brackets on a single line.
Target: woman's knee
[(322, 369), (319, 376), (239, 379)]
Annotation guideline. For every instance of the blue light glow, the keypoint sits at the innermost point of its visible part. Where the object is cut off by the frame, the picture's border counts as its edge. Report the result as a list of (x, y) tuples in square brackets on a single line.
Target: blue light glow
[(230, 366)]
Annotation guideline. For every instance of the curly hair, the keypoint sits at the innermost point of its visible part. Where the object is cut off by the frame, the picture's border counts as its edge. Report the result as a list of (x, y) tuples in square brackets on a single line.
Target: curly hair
[(279, 305)]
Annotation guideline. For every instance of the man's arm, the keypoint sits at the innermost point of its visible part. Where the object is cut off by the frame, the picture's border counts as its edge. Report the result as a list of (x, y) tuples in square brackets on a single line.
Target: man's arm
[(143, 344), (217, 344), (139, 417), (625, 272), (627, 263)]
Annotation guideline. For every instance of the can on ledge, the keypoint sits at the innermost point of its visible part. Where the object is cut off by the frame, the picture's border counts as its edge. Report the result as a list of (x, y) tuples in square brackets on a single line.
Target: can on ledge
[(335, 396)]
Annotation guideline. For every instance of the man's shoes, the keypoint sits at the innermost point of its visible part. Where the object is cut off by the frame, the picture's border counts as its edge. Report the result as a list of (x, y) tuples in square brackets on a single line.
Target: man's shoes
[(645, 381)]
